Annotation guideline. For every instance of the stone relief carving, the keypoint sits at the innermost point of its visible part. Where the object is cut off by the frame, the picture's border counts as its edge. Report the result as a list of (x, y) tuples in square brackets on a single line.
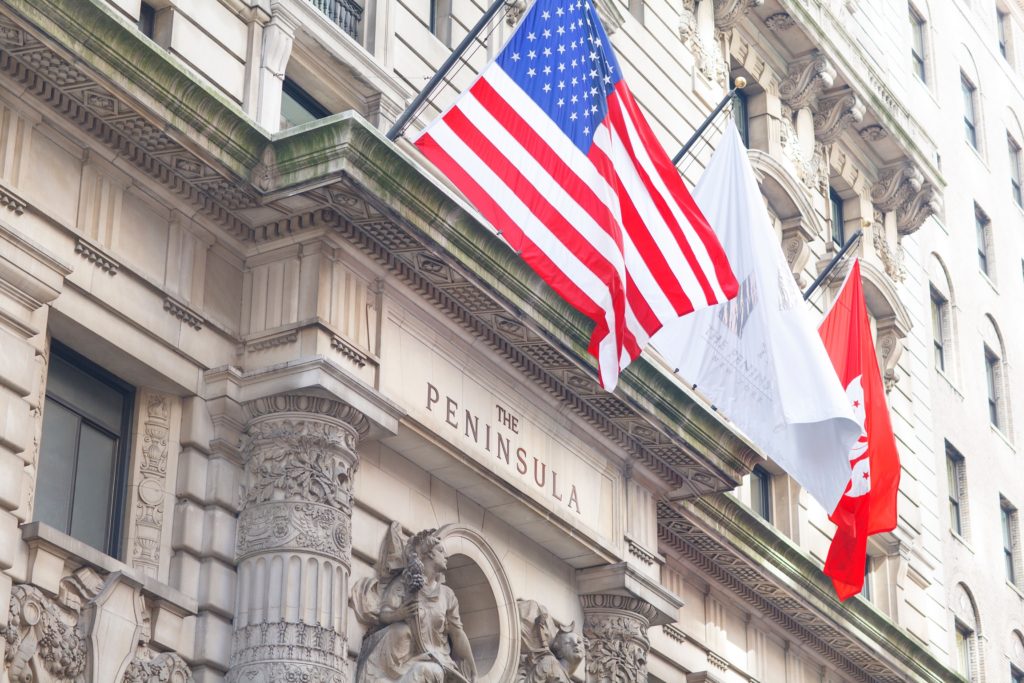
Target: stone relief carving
[(514, 10), (835, 114), (812, 170), (891, 257), (44, 638), (550, 651), (300, 458), (615, 632), (149, 499), (780, 21), (687, 20), (806, 79), (49, 640), (414, 631)]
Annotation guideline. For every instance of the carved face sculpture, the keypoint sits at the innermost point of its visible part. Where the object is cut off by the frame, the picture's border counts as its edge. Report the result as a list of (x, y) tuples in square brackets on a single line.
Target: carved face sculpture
[(568, 647), (438, 557)]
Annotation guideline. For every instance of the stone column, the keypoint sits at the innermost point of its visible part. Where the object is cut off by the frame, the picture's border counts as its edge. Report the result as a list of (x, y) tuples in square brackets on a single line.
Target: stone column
[(294, 540), (619, 605)]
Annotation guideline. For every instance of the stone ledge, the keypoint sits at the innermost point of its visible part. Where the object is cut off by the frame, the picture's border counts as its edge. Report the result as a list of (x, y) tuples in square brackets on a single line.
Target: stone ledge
[(54, 554), (623, 579)]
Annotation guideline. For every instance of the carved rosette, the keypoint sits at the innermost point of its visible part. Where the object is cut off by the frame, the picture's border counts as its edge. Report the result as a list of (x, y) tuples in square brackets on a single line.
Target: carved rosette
[(615, 630), (295, 524)]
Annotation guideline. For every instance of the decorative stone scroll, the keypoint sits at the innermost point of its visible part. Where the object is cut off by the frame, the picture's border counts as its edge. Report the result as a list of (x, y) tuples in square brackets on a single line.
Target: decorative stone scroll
[(729, 12), (903, 189), (414, 631), (835, 115), (550, 651), (806, 79), (295, 524)]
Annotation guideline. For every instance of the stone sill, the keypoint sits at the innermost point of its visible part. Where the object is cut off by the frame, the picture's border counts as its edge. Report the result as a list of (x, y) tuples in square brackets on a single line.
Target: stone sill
[(53, 555)]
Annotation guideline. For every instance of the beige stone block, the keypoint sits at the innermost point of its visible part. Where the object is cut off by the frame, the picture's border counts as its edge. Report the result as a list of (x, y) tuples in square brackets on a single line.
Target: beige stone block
[(213, 640), (184, 573), (11, 480), (217, 588), (192, 472), (16, 424), (219, 540), (10, 540), (225, 478), (213, 61), (17, 364), (196, 426), (206, 674), (187, 533), (46, 569), (169, 630)]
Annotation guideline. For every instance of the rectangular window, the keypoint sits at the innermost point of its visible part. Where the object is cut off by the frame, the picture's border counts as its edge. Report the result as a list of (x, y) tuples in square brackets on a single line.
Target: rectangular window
[(741, 116), (981, 227), (835, 203), (938, 330), (298, 106), (83, 452), (970, 121), (147, 19), (963, 650), (1010, 540), (954, 480), (441, 20), (991, 361), (865, 592), (917, 44), (761, 492), (1015, 172), (1003, 30)]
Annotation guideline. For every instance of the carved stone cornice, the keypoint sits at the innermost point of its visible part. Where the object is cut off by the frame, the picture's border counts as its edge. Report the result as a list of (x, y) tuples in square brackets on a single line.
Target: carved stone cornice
[(729, 12), (184, 313), (834, 114), (96, 256), (806, 79), (903, 189)]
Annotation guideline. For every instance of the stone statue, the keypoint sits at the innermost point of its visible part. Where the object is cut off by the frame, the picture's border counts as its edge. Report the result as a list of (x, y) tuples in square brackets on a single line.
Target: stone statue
[(414, 632), (551, 651)]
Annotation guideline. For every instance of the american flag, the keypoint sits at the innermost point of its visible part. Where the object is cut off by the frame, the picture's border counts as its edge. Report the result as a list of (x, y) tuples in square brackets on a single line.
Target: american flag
[(551, 148)]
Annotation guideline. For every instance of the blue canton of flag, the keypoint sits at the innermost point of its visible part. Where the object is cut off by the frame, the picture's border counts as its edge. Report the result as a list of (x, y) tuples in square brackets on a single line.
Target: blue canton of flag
[(561, 58), (550, 146)]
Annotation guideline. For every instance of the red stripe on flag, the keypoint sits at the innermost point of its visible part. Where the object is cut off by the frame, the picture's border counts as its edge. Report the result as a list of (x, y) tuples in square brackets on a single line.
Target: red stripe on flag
[(674, 182), (574, 186), (537, 259), (618, 124)]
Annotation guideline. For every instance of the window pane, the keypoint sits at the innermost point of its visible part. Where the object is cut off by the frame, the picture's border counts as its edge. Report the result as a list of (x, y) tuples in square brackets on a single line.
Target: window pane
[(56, 466), (91, 397), (838, 221), (90, 515)]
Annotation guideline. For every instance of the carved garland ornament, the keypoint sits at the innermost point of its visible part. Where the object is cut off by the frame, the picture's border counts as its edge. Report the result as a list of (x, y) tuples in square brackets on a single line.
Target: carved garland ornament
[(42, 632)]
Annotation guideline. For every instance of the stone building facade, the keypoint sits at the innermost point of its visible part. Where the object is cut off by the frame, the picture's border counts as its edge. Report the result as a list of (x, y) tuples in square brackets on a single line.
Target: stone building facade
[(250, 350)]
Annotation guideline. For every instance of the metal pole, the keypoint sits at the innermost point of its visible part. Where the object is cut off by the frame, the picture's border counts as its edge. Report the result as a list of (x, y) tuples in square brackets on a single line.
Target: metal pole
[(832, 264), (456, 54), (738, 84)]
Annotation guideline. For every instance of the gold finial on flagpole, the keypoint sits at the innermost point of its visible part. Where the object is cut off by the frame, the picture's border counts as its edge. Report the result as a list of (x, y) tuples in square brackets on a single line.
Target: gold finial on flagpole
[(739, 83)]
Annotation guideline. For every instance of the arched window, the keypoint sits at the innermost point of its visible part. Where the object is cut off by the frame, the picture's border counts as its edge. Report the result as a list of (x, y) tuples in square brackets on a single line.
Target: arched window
[(942, 306), (997, 389), (1016, 651), (967, 630)]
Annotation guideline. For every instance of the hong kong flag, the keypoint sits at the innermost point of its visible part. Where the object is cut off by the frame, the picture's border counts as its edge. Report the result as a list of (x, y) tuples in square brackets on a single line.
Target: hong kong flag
[(869, 504)]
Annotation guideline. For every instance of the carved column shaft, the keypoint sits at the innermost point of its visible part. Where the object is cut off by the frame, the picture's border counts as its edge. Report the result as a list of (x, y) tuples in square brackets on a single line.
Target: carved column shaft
[(294, 540), (615, 629)]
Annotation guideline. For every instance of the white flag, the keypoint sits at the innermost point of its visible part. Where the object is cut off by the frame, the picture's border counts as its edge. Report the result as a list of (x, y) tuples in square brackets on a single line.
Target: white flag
[(758, 358)]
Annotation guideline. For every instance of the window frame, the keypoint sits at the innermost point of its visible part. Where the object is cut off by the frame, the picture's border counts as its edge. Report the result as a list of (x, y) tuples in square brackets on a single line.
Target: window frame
[(741, 115), (955, 475), (963, 635), (761, 484), (1002, 34), (938, 306), (918, 39), (982, 226), (970, 96), (992, 387), (122, 458), (1011, 540), (309, 103), (1015, 170), (837, 217)]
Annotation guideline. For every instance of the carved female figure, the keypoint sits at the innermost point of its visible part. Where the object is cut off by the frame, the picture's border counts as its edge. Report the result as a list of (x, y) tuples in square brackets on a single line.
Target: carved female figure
[(415, 634)]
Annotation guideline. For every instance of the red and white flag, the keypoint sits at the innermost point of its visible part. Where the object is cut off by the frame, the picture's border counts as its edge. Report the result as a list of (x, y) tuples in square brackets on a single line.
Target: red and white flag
[(869, 504), (551, 148)]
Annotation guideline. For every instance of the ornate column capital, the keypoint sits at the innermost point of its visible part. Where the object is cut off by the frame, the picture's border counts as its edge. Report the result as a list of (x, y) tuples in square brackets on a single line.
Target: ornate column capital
[(619, 605), (729, 12), (806, 79), (904, 189)]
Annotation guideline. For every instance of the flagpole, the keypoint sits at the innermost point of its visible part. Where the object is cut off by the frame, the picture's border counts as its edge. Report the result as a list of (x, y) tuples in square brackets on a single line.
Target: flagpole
[(738, 84), (456, 54), (832, 264)]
